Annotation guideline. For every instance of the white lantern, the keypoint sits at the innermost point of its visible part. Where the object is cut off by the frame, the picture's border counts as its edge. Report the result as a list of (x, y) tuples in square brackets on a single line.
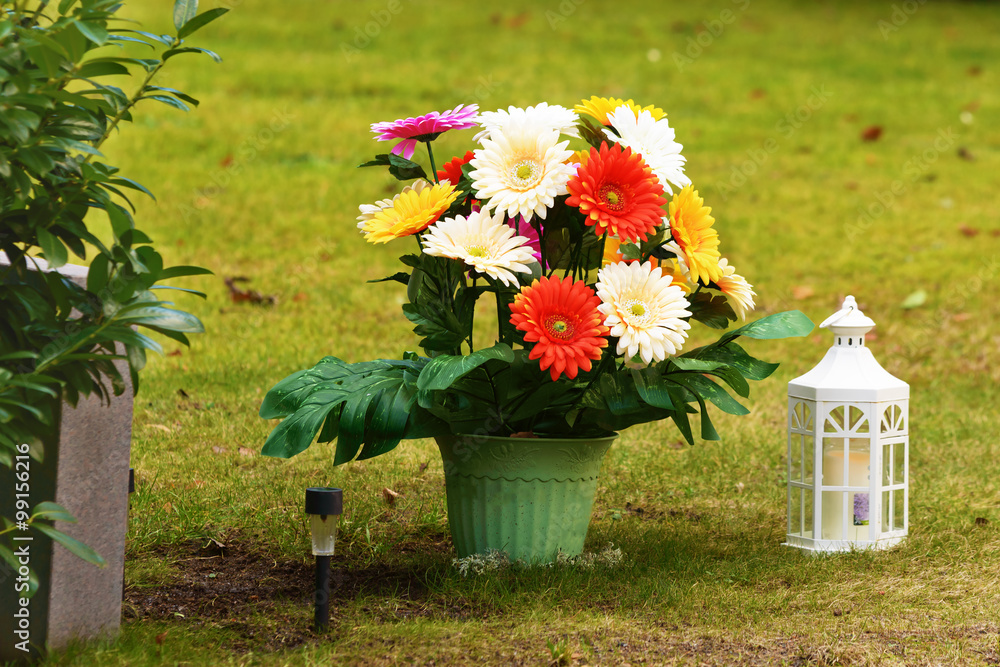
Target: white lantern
[(848, 446)]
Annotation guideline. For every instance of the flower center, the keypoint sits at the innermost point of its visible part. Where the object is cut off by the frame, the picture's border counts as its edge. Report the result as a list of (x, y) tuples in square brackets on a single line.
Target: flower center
[(613, 197), (559, 327), (477, 251), (638, 310), (525, 174)]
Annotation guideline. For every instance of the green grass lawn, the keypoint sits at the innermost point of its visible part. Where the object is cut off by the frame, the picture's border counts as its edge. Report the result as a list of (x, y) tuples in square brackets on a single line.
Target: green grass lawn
[(770, 100)]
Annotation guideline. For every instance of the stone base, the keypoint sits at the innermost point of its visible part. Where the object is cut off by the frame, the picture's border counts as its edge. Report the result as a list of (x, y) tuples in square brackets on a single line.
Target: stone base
[(86, 470)]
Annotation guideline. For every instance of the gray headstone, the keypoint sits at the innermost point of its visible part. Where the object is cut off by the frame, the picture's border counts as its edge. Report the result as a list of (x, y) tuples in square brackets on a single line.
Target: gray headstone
[(87, 464)]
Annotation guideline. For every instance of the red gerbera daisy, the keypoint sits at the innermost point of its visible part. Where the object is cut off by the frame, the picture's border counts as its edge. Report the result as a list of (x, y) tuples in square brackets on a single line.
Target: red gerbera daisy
[(562, 319), (618, 193), (452, 170)]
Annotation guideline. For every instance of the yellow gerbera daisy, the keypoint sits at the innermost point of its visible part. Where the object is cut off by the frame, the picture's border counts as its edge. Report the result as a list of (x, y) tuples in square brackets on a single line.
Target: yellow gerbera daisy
[(695, 241), (600, 107), (411, 211)]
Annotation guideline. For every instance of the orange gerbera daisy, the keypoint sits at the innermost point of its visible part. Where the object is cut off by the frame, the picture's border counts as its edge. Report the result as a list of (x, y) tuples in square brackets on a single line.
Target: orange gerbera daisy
[(695, 241), (561, 318), (618, 193), (600, 107), (452, 170)]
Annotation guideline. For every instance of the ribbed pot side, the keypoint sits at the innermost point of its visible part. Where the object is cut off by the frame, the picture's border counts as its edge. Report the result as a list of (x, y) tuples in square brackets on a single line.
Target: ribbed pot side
[(528, 497)]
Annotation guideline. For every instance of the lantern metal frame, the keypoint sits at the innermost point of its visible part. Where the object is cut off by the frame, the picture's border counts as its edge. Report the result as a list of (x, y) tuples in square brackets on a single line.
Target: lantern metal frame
[(848, 403)]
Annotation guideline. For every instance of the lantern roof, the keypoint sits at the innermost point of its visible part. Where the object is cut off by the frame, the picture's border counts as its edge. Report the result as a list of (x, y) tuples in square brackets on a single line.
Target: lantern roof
[(849, 371)]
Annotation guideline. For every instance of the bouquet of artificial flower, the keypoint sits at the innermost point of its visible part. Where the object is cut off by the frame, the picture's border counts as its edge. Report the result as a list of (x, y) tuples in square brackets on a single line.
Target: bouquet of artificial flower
[(598, 259)]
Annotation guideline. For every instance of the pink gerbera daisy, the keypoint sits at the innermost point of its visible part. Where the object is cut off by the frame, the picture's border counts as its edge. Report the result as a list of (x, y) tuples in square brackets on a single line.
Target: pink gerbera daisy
[(424, 128), (525, 229)]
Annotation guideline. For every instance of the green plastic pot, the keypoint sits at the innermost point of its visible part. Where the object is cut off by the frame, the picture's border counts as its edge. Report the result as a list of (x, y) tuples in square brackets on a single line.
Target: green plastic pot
[(528, 497)]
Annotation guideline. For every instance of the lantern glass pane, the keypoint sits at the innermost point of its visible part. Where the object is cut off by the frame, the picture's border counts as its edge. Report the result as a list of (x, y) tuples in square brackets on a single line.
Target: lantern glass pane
[(893, 420), (794, 511), (899, 476), (807, 459), (886, 524), (324, 533), (858, 422), (898, 506), (795, 457), (807, 508), (886, 464), (834, 420), (833, 462), (833, 515)]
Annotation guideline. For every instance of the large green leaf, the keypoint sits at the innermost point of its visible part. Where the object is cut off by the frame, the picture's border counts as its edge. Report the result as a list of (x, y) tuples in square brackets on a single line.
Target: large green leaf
[(75, 546), (711, 310), (191, 49), (442, 371), (736, 357), (400, 167), (200, 21), (158, 317), (51, 511), (363, 406), (653, 388), (702, 387), (55, 252), (780, 325), (184, 11)]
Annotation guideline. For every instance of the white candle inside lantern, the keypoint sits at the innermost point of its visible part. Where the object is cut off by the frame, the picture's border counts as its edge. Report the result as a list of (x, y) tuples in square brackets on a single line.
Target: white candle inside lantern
[(858, 471)]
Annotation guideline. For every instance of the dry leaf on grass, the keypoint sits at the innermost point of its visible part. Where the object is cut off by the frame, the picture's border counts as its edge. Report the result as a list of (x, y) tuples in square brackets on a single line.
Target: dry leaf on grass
[(390, 496), (245, 451), (800, 292), (251, 296), (871, 133)]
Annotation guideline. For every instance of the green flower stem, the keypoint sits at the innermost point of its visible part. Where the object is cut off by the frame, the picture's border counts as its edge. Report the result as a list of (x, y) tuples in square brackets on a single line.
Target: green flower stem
[(496, 399), (434, 173), (473, 327), (500, 312), (530, 393)]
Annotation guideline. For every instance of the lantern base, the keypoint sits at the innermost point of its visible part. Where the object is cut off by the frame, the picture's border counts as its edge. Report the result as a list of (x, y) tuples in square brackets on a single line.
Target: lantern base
[(818, 547)]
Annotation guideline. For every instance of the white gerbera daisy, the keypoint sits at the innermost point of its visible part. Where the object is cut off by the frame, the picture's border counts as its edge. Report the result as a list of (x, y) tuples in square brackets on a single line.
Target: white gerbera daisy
[(643, 310), (653, 140), (550, 115), (736, 288), (521, 169), (485, 243)]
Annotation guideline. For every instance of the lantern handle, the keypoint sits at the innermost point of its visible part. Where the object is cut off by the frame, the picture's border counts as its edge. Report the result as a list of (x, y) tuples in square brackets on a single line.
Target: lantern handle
[(849, 305)]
